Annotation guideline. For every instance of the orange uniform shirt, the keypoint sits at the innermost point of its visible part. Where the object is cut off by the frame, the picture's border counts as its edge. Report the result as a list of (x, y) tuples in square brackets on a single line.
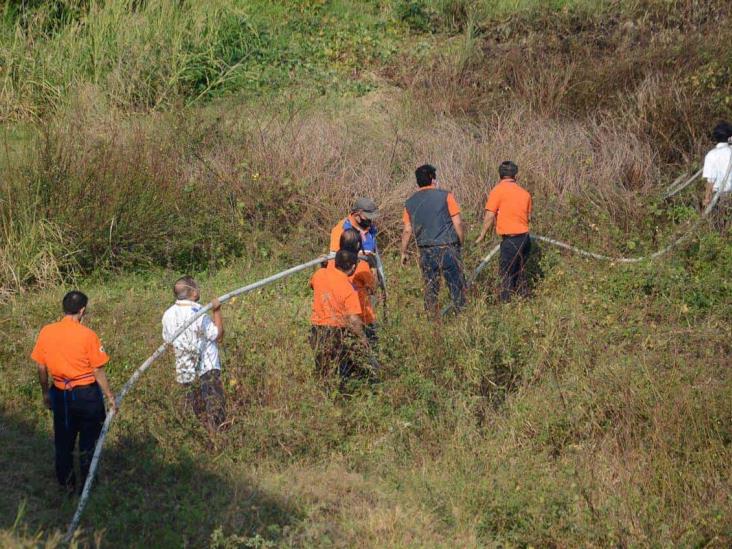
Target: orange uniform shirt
[(334, 298), (70, 351), (512, 206), (365, 283), (452, 206)]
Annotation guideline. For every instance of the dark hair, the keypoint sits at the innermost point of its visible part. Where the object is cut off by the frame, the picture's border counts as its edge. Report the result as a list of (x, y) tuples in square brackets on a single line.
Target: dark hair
[(425, 175), (74, 302), (507, 169), (351, 241), (722, 132), (345, 260)]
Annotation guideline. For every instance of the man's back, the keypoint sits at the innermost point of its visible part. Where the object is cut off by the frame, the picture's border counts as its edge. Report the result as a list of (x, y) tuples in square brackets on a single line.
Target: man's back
[(334, 298), (512, 205), (70, 351), (716, 166), (196, 351), (429, 211)]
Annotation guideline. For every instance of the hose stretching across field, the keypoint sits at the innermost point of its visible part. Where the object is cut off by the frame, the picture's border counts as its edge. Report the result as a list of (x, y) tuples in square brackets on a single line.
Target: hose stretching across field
[(675, 188), (151, 359)]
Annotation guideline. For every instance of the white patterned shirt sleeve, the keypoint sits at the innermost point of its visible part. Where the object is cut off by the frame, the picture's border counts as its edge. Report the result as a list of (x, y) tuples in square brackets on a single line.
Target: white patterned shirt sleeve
[(196, 351)]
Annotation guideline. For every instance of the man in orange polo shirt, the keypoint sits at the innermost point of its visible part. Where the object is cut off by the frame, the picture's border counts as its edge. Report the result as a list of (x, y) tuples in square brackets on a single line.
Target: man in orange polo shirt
[(364, 281), (74, 357), (336, 316), (509, 205)]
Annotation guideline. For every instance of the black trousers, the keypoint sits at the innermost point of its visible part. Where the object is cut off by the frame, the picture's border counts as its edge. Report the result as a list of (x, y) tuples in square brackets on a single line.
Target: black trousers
[(77, 412), (514, 253)]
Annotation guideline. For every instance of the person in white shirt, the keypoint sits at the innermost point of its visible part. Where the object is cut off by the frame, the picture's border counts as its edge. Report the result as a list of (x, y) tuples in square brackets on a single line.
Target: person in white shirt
[(197, 364), (716, 172)]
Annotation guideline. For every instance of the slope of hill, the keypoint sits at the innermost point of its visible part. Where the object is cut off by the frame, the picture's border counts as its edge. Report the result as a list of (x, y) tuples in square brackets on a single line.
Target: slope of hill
[(145, 139)]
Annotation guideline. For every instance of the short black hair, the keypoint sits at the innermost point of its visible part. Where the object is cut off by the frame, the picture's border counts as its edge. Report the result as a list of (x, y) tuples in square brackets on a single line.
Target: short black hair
[(425, 175), (507, 169), (722, 132), (73, 302), (350, 240), (345, 260)]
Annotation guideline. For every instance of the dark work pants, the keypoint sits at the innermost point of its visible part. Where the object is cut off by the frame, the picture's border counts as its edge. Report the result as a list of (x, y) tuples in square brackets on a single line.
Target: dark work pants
[(332, 348), (76, 412), (446, 261), (514, 253), (207, 399)]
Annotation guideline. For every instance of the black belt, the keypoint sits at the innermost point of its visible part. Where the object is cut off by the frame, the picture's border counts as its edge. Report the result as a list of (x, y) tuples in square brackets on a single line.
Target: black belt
[(439, 245), (514, 235)]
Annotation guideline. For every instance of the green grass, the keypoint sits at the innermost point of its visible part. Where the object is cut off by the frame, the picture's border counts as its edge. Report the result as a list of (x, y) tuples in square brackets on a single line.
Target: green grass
[(595, 414)]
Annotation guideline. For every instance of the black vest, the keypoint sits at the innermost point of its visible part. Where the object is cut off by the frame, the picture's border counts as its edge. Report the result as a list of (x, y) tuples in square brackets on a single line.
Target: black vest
[(430, 217)]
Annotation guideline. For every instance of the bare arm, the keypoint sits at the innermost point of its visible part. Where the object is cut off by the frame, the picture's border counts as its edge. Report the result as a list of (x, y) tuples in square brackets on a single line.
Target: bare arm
[(101, 376), (217, 318), (406, 237), (355, 324), (708, 192), (457, 222), (43, 380), (487, 224)]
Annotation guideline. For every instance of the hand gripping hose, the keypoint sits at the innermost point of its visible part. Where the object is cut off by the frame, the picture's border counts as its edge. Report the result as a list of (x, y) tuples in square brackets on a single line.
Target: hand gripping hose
[(145, 365)]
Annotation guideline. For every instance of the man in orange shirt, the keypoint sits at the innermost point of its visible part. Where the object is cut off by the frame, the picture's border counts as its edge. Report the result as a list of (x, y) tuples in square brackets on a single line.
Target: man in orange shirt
[(336, 316), (364, 281), (432, 215), (74, 357), (363, 213), (509, 205)]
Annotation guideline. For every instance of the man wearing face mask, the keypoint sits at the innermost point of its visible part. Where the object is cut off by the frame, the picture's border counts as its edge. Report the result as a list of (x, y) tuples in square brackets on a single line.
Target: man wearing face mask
[(363, 213)]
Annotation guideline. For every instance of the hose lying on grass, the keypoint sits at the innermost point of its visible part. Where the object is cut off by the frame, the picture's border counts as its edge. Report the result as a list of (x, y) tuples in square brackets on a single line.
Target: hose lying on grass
[(672, 190), (151, 359)]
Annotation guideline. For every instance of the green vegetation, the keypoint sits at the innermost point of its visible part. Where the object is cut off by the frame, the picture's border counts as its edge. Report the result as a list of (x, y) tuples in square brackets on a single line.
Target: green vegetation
[(142, 139)]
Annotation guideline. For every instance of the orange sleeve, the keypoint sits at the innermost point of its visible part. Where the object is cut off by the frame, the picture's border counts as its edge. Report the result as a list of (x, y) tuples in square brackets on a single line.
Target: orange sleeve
[(493, 201), (531, 204), (97, 356), (452, 206), (352, 304), (364, 278), (335, 237), (39, 353), (405, 217)]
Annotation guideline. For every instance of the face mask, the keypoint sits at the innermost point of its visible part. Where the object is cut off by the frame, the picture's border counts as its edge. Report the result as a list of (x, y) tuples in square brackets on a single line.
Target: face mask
[(365, 223)]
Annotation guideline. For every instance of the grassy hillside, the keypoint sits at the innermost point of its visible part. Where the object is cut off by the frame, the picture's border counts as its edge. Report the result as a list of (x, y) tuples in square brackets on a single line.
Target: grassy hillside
[(146, 139)]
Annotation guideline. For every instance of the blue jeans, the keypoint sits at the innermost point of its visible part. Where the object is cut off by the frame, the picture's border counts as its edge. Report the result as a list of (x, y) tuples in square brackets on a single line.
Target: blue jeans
[(446, 261)]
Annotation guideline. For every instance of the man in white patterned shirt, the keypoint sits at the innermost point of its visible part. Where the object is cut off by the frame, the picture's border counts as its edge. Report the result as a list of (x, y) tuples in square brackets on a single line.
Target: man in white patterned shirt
[(197, 363), (716, 170)]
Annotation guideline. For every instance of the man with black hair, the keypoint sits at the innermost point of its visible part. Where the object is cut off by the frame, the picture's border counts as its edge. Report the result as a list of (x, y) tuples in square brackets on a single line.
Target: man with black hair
[(716, 170), (336, 317), (432, 215), (509, 205), (197, 364), (74, 358), (364, 281)]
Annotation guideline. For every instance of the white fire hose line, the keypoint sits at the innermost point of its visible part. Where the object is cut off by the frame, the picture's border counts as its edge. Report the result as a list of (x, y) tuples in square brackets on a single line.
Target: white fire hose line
[(145, 365), (73, 525), (672, 190)]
